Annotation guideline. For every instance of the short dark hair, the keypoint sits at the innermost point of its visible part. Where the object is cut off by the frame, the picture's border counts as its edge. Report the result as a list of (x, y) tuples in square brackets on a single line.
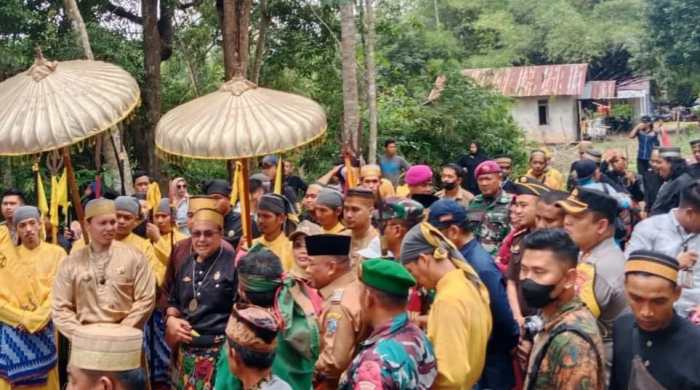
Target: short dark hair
[(263, 263), (14, 192), (690, 195), (552, 197), (254, 185), (387, 299), (389, 142), (130, 379), (556, 241), (458, 170), (678, 166), (253, 359)]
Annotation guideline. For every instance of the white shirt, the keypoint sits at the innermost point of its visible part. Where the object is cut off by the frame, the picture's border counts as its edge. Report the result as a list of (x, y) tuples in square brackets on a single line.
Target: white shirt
[(662, 233)]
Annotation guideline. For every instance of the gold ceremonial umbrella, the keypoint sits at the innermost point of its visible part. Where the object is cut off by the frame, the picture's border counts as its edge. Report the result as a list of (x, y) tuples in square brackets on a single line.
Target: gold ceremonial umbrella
[(53, 105), (238, 121)]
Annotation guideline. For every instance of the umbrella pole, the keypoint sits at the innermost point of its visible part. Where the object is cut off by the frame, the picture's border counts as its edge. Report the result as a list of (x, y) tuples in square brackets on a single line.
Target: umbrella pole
[(120, 166), (75, 193), (245, 198)]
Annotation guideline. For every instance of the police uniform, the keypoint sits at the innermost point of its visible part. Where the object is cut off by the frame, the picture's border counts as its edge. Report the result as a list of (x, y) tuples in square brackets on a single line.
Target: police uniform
[(341, 324)]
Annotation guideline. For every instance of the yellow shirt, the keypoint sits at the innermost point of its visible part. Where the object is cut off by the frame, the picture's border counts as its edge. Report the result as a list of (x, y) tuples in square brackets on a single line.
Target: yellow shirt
[(386, 189), (116, 287), (551, 178), (5, 236), (28, 303), (282, 247), (162, 250), (142, 245), (459, 326), (337, 229)]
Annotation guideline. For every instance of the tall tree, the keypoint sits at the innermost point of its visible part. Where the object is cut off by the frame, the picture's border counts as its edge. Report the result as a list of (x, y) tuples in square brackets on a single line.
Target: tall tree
[(235, 20), (371, 80), (112, 146), (348, 38)]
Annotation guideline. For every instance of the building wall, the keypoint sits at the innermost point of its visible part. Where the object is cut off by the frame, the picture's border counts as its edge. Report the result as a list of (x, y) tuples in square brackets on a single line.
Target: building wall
[(562, 123)]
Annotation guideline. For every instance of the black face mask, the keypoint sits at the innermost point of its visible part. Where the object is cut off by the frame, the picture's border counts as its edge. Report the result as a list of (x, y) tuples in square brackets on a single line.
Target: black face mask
[(449, 186), (536, 295)]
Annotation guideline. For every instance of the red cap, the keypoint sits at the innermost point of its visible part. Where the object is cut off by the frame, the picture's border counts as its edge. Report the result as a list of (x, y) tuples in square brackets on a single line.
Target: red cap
[(418, 174), (487, 167)]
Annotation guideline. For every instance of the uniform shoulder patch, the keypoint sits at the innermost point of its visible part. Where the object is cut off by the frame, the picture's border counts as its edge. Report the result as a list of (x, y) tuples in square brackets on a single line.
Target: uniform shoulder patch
[(337, 295)]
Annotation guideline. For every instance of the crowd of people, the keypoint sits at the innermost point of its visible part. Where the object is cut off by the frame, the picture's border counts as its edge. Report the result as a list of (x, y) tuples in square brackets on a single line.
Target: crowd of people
[(367, 278)]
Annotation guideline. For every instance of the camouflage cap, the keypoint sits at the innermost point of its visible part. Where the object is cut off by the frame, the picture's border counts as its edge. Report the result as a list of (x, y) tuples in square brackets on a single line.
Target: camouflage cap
[(400, 208)]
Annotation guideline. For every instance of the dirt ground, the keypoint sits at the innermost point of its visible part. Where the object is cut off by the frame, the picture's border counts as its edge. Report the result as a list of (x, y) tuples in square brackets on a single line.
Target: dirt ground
[(564, 155)]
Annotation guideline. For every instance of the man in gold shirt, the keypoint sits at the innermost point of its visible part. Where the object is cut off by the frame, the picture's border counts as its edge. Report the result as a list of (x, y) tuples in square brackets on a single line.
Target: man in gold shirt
[(161, 232), (10, 201), (26, 278), (105, 282), (371, 178), (341, 324), (328, 209), (357, 215), (459, 320), (271, 218), (541, 170)]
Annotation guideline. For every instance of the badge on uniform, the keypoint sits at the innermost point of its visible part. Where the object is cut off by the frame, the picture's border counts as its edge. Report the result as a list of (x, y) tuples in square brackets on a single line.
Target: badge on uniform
[(337, 295), (332, 323)]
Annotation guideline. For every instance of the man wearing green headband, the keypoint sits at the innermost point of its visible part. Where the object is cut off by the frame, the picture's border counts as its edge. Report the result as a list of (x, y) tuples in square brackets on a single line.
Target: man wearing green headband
[(261, 282), (397, 355), (655, 348)]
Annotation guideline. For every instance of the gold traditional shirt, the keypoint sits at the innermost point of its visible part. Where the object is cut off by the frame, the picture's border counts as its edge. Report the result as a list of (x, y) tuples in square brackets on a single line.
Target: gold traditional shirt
[(459, 326), (552, 178), (342, 327), (162, 250), (26, 280), (337, 229), (281, 246), (5, 235), (116, 286)]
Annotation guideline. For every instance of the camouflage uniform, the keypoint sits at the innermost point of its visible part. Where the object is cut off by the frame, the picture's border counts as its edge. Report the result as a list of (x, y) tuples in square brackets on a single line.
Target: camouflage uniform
[(395, 356), (494, 220), (570, 362)]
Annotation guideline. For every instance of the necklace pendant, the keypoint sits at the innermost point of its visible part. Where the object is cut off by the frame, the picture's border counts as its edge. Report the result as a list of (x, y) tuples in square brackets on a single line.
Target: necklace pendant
[(192, 307)]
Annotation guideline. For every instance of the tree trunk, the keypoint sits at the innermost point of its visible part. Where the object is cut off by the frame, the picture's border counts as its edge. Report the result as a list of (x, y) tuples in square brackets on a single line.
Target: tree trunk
[(244, 7), (260, 46), (350, 99), (108, 152), (371, 80), (151, 85), (229, 33)]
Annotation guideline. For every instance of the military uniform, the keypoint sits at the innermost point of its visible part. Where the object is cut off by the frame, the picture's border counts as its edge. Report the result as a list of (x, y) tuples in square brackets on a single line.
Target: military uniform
[(514, 264), (494, 217), (568, 360), (342, 327), (396, 356)]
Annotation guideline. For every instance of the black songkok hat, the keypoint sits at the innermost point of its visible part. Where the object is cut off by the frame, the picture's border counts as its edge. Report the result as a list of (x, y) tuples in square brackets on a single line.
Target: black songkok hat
[(328, 245), (217, 186), (529, 186)]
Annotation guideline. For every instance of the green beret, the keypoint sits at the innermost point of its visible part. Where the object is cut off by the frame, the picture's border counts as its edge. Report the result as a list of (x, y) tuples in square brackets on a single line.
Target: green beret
[(387, 276)]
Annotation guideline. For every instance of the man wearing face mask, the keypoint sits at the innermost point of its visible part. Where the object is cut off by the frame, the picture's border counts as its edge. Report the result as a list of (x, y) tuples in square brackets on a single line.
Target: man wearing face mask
[(568, 351), (451, 177)]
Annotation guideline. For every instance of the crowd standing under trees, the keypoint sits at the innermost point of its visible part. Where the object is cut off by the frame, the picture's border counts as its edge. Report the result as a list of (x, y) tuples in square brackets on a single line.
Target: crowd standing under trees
[(438, 249)]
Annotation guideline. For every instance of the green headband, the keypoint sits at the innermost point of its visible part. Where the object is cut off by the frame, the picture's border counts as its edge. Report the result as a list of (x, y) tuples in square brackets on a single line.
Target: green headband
[(260, 284)]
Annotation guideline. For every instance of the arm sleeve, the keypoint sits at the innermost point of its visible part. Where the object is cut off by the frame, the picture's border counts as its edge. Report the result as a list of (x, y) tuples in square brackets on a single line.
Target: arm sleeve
[(338, 340), (503, 321), (573, 364), (641, 239), (450, 339), (144, 296), (63, 308), (156, 264)]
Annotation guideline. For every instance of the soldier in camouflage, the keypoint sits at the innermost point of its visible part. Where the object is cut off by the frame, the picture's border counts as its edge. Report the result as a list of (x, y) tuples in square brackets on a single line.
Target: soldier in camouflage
[(491, 208), (398, 355)]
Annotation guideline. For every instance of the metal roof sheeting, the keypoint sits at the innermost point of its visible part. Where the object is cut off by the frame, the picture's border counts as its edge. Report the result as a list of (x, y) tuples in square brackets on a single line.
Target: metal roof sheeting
[(540, 80), (599, 90)]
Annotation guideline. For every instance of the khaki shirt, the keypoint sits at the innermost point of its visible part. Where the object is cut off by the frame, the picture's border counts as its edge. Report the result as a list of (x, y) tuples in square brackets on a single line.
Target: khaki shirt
[(463, 197), (126, 296), (359, 243), (342, 328)]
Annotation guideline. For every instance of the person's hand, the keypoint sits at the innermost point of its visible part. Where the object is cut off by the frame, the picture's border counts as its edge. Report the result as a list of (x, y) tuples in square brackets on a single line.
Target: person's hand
[(609, 155), (631, 176), (522, 353), (68, 235), (177, 331), (687, 259), (695, 315), (520, 320), (77, 230), (152, 232)]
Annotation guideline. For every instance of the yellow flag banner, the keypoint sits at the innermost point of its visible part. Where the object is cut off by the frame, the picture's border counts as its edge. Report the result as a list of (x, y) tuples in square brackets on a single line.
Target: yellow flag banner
[(241, 194), (153, 195), (278, 176), (41, 202), (235, 183)]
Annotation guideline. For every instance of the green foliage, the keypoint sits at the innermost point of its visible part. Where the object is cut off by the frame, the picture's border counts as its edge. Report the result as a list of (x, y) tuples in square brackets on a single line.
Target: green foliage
[(622, 110)]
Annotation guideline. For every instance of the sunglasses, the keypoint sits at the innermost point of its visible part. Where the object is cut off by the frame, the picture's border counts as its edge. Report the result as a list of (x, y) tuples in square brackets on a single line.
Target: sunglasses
[(182, 186), (204, 233)]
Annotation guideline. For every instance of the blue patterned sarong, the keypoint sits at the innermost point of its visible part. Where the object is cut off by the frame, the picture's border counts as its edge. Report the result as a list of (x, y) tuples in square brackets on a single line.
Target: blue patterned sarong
[(157, 351), (26, 358)]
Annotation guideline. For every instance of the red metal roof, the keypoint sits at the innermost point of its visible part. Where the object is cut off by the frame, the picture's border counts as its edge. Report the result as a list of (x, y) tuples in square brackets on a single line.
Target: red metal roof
[(600, 90), (540, 80)]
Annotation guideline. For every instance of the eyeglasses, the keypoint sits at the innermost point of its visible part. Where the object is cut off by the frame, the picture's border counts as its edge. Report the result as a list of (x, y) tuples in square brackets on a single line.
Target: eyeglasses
[(182, 186), (204, 233)]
